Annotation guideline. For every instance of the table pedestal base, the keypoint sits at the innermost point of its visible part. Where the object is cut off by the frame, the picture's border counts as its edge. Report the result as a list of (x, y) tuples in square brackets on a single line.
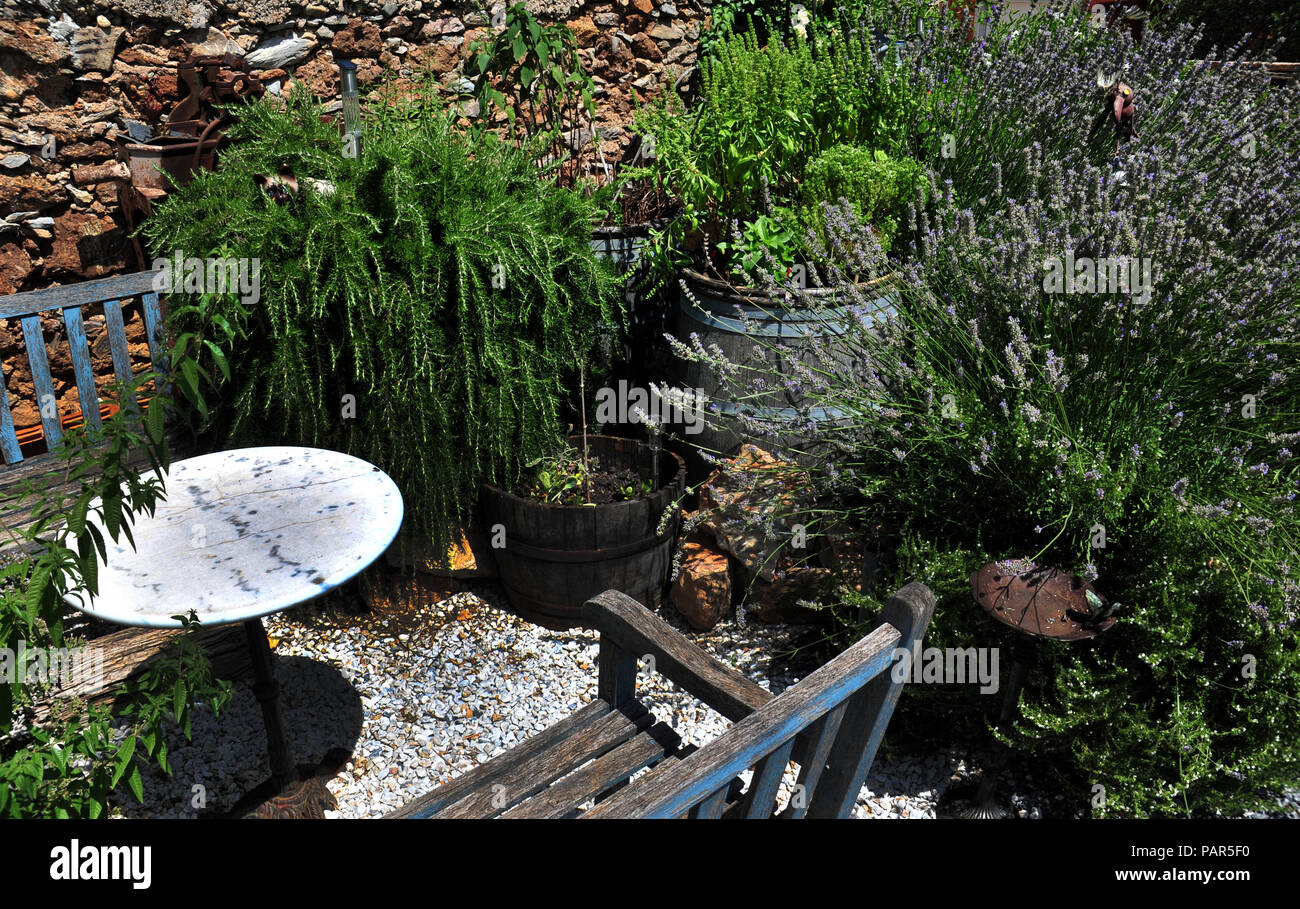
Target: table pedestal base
[(984, 804), (291, 792)]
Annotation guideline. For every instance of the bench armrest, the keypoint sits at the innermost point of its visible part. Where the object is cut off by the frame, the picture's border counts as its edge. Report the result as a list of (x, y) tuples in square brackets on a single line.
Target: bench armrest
[(629, 632)]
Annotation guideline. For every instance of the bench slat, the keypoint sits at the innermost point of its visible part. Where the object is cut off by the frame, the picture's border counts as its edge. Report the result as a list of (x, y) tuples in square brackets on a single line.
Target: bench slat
[(822, 734), (868, 712), (8, 438), (38, 359), (524, 781), (638, 631), (760, 801), (759, 734), (116, 287), (589, 781), (153, 330), (488, 773), (80, 350), (117, 346), (711, 808)]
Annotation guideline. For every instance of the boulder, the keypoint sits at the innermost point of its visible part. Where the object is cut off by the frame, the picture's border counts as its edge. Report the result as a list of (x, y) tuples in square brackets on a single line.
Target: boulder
[(646, 48), (217, 43), (15, 266), (32, 42), (14, 86), (702, 590), (666, 32), (752, 506), (779, 599), (29, 192), (584, 30), (85, 246)]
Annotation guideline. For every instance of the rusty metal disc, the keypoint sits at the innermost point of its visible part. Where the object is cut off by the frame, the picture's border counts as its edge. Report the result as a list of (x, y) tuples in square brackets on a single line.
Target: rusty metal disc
[(1041, 602)]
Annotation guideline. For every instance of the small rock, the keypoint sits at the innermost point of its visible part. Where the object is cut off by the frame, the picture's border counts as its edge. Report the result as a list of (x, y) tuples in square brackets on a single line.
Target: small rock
[(280, 53), (13, 162), (666, 32), (102, 22), (702, 590), (93, 48), (63, 30), (217, 43)]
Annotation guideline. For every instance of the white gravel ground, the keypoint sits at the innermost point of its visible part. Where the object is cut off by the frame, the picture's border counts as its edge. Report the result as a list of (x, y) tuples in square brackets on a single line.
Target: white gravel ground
[(421, 698)]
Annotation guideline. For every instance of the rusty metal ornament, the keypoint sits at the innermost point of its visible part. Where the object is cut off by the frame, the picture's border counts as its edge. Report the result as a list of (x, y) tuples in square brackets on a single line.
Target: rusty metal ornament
[(1044, 603)]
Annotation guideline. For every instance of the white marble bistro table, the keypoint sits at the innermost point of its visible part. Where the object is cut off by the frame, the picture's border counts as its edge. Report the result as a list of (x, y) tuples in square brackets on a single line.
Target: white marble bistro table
[(243, 534)]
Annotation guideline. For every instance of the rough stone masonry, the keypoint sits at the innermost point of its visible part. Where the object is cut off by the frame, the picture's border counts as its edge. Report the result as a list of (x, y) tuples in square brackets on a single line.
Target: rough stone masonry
[(75, 71)]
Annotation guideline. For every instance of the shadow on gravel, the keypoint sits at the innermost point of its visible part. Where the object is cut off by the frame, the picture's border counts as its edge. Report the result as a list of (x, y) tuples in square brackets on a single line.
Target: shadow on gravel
[(227, 755)]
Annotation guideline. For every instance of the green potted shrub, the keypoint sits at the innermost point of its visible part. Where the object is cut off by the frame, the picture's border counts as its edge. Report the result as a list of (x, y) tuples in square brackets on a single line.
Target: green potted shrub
[(780, 129), (422, 306)]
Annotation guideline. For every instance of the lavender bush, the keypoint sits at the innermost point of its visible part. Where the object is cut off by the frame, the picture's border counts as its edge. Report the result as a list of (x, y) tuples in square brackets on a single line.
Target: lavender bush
[(1029, 398), (1034, 80)]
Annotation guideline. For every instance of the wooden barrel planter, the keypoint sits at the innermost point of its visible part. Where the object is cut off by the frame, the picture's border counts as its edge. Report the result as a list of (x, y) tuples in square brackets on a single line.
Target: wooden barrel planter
[(556, 557), (716, 321)]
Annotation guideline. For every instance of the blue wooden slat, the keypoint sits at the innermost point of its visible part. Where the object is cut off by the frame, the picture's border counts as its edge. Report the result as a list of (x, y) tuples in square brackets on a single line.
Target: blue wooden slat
[(815, 761), (708, 770), (117, 344), (153, 328), (8, 438), (711, 808), (115, 288), (80, 350), (766, 780), (34, 338)]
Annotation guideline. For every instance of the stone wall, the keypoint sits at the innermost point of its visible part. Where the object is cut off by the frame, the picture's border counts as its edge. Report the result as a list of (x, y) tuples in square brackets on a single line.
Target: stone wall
[(79, 71)]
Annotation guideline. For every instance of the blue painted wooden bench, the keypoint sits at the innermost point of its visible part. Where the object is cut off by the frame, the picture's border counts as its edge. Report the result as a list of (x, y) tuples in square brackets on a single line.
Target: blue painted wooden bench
[(831, 724), (70, 300)]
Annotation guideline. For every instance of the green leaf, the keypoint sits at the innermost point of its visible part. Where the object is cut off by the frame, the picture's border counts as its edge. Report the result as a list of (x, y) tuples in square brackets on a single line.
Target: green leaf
[(137, 786), (178, 698), (219, 357), (88, 563), (123, 758), (154, 420)]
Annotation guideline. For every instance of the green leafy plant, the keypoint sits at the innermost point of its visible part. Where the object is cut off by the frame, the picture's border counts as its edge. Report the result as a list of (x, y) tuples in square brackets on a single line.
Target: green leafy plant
[(738, 161), (534, 73), (562, 478), (69, 765), (877, 187), (427, 314)]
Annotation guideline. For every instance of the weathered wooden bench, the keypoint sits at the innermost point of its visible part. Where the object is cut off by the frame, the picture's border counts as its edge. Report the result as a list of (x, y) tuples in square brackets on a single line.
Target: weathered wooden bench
[(831, 724), (70, 300)]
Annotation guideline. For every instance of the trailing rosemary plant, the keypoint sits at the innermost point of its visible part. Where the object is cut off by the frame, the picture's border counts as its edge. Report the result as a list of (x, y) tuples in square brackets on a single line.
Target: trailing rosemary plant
[(423, 307)]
